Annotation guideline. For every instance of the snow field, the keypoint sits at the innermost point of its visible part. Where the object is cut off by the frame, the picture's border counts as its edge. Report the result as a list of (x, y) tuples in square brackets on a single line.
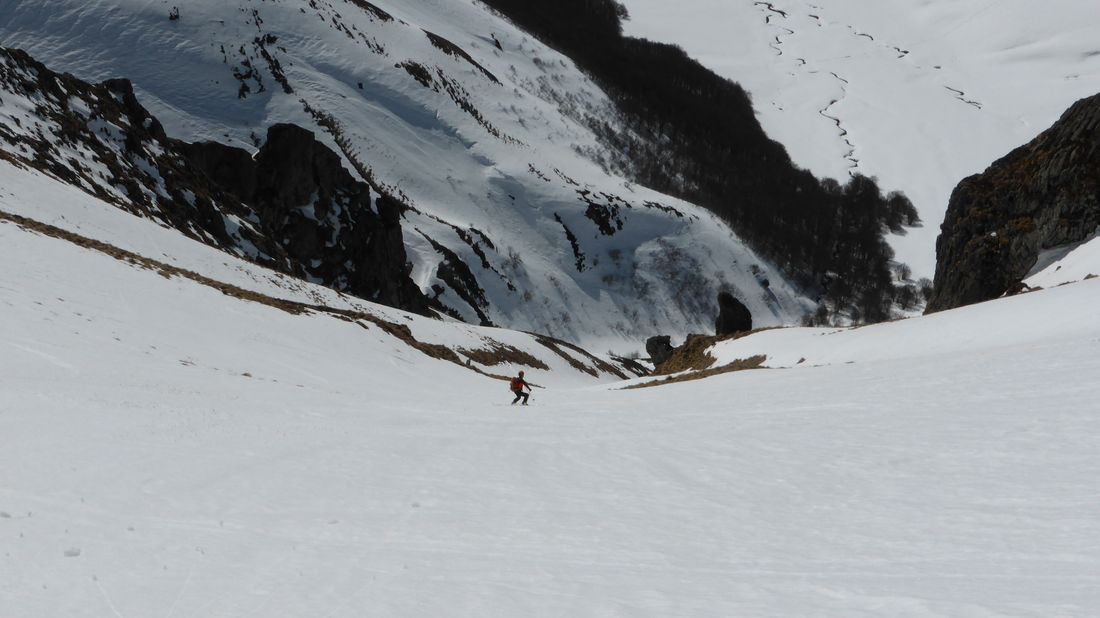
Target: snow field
[(167, 450), (143, 473), (1066, 264), (1058, 317)]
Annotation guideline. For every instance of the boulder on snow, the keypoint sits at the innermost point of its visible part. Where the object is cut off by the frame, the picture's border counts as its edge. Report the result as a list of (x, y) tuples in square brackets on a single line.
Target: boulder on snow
[(659, 348), (733, 316)]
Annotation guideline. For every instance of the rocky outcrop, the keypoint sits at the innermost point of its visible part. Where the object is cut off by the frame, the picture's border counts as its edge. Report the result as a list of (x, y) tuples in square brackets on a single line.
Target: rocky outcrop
[(1040, 196), (331, 227), (293, 207), (733, 316), (100, 139), (659, 349), (692, 355)]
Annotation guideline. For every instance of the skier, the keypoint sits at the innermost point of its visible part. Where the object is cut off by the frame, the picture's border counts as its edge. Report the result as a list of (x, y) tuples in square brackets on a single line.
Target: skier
[(518, 383)]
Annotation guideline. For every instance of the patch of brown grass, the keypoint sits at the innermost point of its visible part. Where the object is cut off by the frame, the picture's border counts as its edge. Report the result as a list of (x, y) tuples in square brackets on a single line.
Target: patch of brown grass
[(398, 331), (692, 355), (639, 370), (743, 364), (494, 354), (498, 354), (556, 345)]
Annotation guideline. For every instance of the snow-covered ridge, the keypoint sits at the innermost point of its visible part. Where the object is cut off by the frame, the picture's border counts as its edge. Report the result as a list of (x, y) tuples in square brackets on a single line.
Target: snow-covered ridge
[(457, 114)]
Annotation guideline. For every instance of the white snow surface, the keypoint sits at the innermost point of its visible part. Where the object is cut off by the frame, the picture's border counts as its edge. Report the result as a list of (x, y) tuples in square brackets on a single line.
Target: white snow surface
[(168, 450), (939, 335), (1062, 265), (919, 93), (507, 166)]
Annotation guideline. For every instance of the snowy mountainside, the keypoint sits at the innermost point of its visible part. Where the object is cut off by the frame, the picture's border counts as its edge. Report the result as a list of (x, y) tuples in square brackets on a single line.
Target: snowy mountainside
[(292, 206), (173, 449), (457, 115), (71, 230), (919, 94)]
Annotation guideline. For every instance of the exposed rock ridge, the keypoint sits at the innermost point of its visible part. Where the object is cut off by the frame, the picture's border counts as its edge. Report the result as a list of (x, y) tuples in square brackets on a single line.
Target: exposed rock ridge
[(292, 207), (333, 227), (1040, 196)]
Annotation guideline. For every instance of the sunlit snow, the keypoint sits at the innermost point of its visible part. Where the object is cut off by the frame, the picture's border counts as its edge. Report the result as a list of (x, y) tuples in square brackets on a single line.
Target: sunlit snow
[(919, 93), (172, 451), (167, 449)]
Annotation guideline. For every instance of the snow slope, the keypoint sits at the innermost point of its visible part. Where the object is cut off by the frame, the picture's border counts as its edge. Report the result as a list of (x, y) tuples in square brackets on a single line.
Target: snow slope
[(44, 200), (918, 93), (1069, 264), (453, 109), (984, 326), (171, 450)]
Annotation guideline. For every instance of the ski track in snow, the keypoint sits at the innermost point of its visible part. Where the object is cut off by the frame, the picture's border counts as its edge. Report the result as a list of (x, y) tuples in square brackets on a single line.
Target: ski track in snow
[(1018, 61), (850, 148), (773, 14), (770, 11), (960, 95)]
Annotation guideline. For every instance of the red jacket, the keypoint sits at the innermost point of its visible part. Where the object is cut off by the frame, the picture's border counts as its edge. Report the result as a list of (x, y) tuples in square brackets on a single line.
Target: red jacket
[(518, 384)]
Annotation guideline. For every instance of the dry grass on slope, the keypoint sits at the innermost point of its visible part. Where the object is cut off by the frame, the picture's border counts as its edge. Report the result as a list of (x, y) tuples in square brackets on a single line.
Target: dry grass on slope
[(743, 364), (398, 331), (692, 360), (557, 346), (496, 353), (693, 355)]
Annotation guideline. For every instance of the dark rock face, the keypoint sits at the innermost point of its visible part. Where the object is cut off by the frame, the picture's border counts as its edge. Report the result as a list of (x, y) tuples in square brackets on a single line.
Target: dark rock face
[(733, 316), (292, 207), (228, 167), (330, 225), (1042, 195), (100, 139), (659, 348)]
